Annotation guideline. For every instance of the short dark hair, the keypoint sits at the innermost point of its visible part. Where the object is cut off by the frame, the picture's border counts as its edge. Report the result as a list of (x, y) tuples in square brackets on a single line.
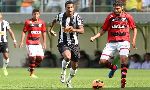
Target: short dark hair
[(35, 10), (69, 2), (118, 3)]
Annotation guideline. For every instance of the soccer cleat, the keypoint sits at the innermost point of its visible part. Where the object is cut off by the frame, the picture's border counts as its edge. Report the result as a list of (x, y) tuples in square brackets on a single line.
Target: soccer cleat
[(5, 71), (68, 83), (123, 82), (62, 78), (111, 73), (33, 76)]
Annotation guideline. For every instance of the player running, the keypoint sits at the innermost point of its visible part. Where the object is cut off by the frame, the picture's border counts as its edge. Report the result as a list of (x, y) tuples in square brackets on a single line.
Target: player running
[(68, 45), (118, 24)]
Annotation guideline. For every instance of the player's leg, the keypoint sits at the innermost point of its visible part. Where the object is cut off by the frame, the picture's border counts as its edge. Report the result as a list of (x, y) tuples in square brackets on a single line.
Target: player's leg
[(107, 53), (5, 63), (66, 54), (124, 52), (73, 71), (4, 49), (39, 55), (75, 55), (66, 60), (32, 59), (124, 68)]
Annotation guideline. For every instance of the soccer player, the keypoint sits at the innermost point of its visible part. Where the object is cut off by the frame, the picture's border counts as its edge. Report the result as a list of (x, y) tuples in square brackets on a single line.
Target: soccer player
[(4, 27), (118, 24), (36, 28), (71, 24)]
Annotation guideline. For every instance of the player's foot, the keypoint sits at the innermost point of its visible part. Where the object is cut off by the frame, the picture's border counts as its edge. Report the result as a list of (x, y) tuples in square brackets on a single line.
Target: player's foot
[(5, 71), (123, 82), (62, 78), (68, 83), (111, 73), (33, 76)]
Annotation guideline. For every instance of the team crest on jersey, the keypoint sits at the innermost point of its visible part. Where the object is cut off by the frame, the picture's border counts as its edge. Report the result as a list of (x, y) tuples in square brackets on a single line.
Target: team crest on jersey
[(40, 25)]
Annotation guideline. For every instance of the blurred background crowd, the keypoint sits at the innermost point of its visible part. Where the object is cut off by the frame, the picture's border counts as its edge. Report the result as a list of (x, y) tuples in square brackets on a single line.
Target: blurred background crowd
[(26, 6)]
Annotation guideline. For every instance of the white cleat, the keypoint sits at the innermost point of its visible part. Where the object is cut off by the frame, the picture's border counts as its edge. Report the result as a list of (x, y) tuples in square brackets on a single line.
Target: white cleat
[(63, 78), (34, 76), (5, 71), (68, 83)]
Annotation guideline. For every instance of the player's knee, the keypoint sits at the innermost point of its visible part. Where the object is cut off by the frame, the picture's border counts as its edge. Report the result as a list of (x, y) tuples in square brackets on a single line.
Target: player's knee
[(124, 59), (74, 66), (102, 61), (40, 58)]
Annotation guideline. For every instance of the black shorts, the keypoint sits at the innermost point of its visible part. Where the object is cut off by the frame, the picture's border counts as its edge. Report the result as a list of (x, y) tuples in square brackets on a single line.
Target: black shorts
[(3, 47), (75, 50)]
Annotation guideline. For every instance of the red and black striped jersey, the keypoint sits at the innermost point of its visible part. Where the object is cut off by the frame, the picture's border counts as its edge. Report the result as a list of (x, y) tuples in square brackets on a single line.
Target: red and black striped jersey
[(118, 26), (34, 29)]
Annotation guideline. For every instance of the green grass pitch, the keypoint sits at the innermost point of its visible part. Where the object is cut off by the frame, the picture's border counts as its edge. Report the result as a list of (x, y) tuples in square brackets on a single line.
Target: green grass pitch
[(18, 78)]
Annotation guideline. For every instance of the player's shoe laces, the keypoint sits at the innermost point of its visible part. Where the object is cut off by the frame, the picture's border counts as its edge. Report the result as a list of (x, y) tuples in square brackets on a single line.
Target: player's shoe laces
[(63, 78), (68, 83), (5, 71), (123, 82), (33, 76), (111, 73)]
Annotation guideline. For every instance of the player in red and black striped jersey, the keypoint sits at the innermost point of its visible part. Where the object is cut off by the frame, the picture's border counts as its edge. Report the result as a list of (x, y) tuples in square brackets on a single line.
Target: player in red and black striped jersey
[(36, 28), (118, 24)]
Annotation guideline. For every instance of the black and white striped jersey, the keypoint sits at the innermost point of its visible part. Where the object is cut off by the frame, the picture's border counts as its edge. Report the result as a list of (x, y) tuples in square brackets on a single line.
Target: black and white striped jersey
[(75, 21), (4, 26)]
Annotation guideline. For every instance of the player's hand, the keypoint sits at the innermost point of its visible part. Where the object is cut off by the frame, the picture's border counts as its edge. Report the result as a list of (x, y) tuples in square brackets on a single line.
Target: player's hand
[(53, 33), (92, 39), (15, 44), (44, 45), (21, 45), (134, 44), (69, 29)]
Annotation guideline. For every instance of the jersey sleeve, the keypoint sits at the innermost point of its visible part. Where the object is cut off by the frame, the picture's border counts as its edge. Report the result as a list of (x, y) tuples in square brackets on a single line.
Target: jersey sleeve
[(57, 17), (43, 27), (79, 21), (26, 26), (7, 25), (106, 24), (131, 22)]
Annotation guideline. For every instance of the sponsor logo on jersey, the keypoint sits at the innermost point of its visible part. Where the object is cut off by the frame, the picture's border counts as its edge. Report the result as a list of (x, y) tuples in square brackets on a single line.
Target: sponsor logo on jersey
[(118, 26), (35, 32)]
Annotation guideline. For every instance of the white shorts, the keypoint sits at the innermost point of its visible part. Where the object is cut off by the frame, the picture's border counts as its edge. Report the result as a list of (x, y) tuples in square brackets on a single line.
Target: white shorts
[(35, 50), (111, 48)]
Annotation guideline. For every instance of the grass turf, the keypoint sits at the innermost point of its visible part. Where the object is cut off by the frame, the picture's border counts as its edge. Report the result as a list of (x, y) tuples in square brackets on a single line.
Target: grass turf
[(18, 78)]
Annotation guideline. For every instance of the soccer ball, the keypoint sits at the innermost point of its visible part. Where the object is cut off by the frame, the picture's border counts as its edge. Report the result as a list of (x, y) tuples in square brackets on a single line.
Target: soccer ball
[(96, 84)]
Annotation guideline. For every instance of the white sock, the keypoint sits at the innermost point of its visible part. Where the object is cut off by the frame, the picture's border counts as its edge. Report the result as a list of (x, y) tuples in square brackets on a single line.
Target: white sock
[(5, 63), (72, 74), (64, 66)]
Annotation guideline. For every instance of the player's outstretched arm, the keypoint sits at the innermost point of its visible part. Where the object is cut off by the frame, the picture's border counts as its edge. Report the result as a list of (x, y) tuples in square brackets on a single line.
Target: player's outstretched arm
[(97, 35), (51, 28), (22, 39), (13, 37), (134, 38)]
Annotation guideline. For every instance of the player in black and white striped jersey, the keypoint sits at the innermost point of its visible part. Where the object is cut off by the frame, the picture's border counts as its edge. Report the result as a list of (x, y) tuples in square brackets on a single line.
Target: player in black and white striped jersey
[(71, 24), (4, 27)]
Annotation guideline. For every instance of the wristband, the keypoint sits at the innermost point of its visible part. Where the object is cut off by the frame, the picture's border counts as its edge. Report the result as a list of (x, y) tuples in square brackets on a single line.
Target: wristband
[(15, 41)]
